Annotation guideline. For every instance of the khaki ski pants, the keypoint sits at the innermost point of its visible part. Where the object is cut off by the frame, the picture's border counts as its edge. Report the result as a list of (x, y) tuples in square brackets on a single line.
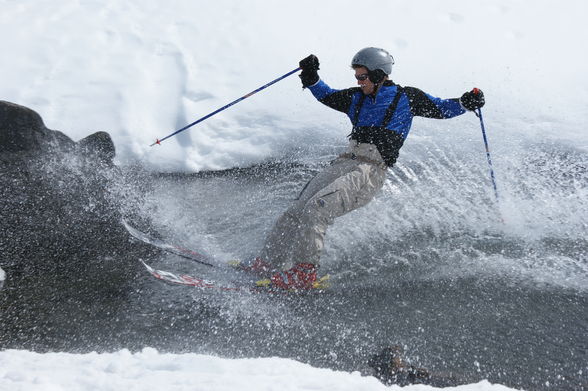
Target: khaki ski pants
[(351, 181)]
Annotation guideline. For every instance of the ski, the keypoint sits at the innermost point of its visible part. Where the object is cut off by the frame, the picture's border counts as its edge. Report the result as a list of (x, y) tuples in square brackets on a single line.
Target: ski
[(234, 286), (196, 282), (171, 248), (219, 275)]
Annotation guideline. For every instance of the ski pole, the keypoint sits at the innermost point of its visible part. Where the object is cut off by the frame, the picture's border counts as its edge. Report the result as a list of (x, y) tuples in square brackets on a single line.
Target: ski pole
[(158, 141), (479, 115)]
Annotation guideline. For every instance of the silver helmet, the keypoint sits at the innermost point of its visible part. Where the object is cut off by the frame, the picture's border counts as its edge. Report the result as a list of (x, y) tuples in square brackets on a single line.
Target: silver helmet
[(374, 58)]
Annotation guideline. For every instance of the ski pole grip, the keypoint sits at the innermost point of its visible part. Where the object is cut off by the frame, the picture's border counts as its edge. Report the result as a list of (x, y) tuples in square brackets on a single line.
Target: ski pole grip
[(476, 91)]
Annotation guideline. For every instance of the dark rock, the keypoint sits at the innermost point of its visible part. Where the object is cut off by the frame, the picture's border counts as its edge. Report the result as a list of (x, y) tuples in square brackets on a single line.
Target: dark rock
[(391, 368), (62, 244), (100, 145), (22, 129)]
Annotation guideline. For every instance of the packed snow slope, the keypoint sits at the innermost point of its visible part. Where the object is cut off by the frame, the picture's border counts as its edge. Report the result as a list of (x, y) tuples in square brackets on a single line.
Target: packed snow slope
[(142, 69), (150, 370)]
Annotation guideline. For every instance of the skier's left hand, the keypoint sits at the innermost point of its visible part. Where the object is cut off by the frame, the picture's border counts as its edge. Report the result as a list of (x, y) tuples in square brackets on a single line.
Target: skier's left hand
[(473, 100)]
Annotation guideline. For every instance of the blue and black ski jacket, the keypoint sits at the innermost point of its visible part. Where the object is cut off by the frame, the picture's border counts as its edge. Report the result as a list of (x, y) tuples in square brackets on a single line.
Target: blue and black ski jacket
[(385, 120)]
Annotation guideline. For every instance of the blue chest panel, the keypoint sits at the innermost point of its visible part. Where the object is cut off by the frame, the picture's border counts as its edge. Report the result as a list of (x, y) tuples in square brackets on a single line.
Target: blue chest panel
[(373, 110)]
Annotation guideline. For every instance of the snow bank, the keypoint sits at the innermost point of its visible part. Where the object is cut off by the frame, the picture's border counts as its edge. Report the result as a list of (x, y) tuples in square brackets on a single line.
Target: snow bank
[(150, 370), (140, 69)]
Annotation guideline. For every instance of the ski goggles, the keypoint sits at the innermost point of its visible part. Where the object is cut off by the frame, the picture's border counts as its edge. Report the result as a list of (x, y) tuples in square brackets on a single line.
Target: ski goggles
[(362, 77)]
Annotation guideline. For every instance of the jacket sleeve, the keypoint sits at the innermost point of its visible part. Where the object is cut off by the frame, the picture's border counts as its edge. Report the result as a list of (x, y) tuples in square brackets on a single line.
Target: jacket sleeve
[(424, 105), (339, 100)]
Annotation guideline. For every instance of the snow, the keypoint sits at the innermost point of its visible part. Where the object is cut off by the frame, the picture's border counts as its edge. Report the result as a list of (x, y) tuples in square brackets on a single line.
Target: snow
[(142, 69), (151, 370)]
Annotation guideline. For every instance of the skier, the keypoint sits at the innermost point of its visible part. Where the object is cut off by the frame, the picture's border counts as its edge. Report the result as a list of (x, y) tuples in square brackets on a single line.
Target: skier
[(381, 114)]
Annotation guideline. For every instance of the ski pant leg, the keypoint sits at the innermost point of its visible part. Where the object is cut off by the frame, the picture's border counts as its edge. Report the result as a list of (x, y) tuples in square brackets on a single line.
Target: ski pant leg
[(298, 235)]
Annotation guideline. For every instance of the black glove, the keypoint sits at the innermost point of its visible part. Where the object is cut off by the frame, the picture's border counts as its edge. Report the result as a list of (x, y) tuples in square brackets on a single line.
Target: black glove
[(309, 74), (473, 100)]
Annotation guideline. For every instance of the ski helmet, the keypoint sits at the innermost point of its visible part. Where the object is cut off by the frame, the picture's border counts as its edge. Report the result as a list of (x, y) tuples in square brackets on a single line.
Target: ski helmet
[(374, 58)]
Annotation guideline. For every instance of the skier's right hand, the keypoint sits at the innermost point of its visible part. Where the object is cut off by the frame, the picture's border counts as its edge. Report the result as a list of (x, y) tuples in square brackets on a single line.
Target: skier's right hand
[(310, 63), (309, 75)]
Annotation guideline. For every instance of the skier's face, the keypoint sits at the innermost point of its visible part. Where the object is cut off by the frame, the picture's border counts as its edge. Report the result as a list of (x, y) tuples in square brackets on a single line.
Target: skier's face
[(361, 74)]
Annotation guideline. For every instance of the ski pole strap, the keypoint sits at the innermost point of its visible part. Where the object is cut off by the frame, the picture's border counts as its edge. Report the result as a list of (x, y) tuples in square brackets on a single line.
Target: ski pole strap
[(159, 141)]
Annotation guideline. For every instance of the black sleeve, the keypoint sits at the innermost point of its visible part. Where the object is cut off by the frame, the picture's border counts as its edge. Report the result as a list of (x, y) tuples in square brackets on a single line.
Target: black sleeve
[(421, 104), (340, 100)]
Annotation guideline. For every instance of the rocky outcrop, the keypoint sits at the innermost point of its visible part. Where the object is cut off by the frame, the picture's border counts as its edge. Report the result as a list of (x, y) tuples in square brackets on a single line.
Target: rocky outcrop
[(22, 130), (98, 145), (61, 241)]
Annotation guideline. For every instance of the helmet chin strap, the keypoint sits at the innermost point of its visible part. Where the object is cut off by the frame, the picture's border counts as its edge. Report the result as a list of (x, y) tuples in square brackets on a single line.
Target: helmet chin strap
[(380, 77), (377, 86), (376, 89)]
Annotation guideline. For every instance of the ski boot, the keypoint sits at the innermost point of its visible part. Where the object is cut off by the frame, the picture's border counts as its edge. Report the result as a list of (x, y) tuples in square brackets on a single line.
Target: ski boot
[(302, 277), (255, 266)]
